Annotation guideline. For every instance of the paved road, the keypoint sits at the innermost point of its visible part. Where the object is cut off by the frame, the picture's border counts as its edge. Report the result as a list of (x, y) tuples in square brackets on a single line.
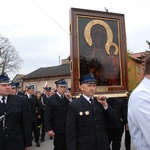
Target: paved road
[(48, 145)]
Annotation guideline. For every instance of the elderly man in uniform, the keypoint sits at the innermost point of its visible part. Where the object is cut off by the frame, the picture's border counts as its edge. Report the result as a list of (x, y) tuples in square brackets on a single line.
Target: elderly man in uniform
[(55, 115), (85, 129), (15, 125)]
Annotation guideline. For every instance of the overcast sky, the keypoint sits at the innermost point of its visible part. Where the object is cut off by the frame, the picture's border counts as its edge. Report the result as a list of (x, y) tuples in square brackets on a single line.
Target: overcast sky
[(39, 29)]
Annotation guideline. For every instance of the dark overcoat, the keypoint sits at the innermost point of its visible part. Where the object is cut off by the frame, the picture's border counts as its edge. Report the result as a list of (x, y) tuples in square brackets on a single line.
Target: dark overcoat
[(15, 130), (45, 99), (85, 128), (119, 105), (33, 104), (55, 114)]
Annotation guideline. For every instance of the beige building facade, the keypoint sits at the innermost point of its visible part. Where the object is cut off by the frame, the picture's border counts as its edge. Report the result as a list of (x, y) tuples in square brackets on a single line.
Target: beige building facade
[(40, 83), (48, 75)]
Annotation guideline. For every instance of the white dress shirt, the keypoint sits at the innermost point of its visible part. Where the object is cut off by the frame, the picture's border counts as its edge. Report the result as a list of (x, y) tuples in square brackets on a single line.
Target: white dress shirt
[(139, 115), (87, 98), (4, 100)]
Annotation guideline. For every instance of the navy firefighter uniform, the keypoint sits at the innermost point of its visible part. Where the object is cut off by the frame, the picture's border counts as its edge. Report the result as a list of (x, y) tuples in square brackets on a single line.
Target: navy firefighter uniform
[(85, 129), (55, 115), (15, 127)]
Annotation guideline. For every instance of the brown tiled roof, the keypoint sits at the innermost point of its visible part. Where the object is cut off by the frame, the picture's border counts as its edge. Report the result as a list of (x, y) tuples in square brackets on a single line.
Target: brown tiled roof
[(136, 58), (54, 71), (138, 55)]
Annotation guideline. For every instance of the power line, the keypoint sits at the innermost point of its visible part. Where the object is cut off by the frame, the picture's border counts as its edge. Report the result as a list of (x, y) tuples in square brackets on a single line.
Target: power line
[(50, 16)]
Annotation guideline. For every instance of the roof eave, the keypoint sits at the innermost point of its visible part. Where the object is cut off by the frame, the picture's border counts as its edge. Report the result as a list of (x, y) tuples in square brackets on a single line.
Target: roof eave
[(56, 75)]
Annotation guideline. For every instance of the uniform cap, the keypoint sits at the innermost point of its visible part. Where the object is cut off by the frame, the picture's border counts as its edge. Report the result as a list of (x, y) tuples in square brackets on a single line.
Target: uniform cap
[(47, 88), (4, 79), (88, 79), (30, 87), (13, 85), (17, 84), (61, 82)]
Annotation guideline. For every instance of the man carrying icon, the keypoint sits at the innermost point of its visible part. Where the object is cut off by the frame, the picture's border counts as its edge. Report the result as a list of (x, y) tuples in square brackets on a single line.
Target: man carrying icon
[(85, 128)]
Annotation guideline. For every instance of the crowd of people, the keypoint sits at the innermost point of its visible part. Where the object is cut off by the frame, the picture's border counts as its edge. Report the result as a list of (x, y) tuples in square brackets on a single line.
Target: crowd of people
[(85, 123), (73, 124)]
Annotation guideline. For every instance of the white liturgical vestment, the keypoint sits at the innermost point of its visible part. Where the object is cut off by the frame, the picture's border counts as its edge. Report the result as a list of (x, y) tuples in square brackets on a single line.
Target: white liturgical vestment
[(139, 115)]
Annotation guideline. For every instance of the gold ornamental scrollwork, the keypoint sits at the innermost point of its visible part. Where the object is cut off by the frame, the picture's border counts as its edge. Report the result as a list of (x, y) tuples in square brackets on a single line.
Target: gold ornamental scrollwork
[(71, 65), (109, 43), (70, 28)]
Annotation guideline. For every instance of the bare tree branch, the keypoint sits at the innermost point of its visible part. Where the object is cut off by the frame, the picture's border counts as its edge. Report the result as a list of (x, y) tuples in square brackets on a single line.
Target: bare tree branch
[(10, 61)]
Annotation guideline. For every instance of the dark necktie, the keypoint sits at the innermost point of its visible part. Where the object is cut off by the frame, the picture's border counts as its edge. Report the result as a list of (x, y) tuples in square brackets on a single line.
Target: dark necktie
[(3, 102), (62, 97), (92, 101)]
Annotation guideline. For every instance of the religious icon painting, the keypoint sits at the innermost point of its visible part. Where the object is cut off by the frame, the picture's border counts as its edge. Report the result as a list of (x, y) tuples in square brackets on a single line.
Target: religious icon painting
[(98, 45)]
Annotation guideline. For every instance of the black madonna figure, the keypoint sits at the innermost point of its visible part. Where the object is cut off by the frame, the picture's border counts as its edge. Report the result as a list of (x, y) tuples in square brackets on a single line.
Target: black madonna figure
[(102, 55)]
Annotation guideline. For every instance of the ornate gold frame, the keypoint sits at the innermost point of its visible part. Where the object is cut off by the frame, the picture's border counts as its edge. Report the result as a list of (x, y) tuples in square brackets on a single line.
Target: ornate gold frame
[(76, 40)]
